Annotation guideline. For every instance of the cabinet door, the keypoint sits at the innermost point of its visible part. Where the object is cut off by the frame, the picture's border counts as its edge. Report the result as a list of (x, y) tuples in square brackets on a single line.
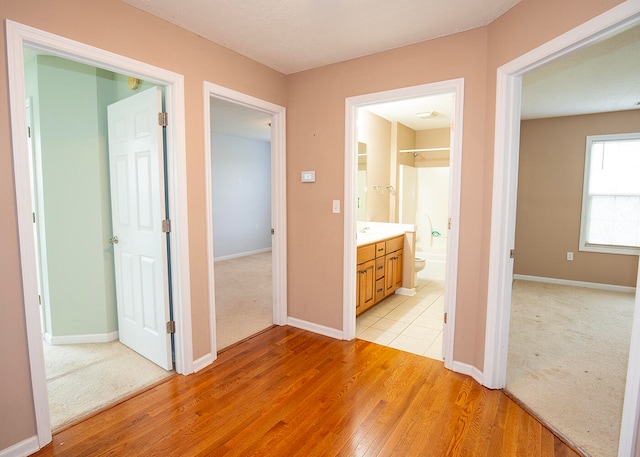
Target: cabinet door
[(393, 272), (397, 272), (390, 265), (365, 286)]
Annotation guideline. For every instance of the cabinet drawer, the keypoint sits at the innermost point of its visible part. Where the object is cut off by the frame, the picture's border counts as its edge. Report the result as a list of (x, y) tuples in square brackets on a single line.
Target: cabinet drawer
[(393, 244), (380, 249), (379, 293), (366, 253), (380, 267)]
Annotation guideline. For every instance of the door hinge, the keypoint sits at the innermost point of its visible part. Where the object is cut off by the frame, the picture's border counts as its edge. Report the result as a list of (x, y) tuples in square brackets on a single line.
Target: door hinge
[(449, 224), (445, 318), (512, 254), (39, 299), (166, 225), (29, 132), (171, 327), (33, 217), (273, 231), (163, 119)]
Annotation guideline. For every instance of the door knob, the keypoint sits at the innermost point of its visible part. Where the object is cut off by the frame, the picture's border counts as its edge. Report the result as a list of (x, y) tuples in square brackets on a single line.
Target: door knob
[(113, 240)]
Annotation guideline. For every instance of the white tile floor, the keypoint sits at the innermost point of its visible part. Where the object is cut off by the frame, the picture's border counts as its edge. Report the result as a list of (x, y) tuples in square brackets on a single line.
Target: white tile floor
[(411, 324)]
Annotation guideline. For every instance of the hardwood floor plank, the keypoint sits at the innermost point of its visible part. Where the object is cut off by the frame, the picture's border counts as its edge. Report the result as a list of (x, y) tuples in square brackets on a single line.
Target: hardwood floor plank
[(288, 392)]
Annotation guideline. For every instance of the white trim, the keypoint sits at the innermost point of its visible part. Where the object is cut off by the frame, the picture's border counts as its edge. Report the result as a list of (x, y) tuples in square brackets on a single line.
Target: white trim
[(507, 132), (241, 254), (21, 449), (203, 362), (81, 339), (469, 370), (18, 36), (569, 282), (315, 328), (278, 200), (583, 245), (456, 86), (405, 291), (631, 408)]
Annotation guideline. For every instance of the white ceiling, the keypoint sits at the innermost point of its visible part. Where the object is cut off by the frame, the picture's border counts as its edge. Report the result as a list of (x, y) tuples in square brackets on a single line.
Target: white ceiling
[(405, 111), (295, 35), (602, 77), (234, 119)]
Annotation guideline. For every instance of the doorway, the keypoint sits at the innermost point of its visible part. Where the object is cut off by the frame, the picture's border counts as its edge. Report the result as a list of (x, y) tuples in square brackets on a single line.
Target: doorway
[(241, 195), (255, 243), (19, 36), (417, 194), (504, 199), (353, 104)]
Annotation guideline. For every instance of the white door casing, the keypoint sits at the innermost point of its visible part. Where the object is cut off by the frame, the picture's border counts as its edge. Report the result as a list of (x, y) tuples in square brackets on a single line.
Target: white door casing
[(503, 216), (17, 37), (139, 244), (455, 86)]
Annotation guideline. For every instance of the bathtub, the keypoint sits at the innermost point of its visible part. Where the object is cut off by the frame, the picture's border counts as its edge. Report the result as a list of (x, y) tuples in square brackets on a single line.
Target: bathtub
[(436, 260)]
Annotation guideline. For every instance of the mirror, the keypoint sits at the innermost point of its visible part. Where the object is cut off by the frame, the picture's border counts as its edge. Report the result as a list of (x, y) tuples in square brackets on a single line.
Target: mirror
[(362, 181)]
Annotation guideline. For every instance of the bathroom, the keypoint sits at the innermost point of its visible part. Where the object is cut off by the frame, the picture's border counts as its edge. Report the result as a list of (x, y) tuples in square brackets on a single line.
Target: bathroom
[(403, 185), (403, 173)]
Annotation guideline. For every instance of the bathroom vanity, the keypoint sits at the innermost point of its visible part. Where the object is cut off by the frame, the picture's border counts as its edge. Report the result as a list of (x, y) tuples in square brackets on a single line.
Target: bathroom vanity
[(378, 271)]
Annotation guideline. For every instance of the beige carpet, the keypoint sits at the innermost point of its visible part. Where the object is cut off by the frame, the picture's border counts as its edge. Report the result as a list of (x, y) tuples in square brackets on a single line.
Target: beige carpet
[(568, 354), (244, 303), (83, 378)]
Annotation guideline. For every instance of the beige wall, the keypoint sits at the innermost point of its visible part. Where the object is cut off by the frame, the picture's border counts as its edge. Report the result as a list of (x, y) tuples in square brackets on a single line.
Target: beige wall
[(551, 169), (433, 138), (315, 140)]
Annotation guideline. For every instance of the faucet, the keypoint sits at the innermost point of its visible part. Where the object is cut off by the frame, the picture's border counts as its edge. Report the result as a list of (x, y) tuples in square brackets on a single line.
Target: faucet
[(364, 229)]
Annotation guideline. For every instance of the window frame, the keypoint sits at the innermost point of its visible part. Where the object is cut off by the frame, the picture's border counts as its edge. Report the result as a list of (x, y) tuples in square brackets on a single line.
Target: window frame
[(584, 218)]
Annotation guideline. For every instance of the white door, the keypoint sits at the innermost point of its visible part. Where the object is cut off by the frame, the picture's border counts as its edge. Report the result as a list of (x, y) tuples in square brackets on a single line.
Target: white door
[(139, 244)]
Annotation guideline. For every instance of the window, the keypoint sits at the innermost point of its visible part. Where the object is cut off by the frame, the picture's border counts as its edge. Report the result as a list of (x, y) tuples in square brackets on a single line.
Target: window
[(611, 196)]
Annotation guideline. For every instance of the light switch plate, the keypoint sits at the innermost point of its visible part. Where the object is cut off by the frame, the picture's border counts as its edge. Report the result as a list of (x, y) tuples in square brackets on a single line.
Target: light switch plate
[(308, 176), (336, 206)]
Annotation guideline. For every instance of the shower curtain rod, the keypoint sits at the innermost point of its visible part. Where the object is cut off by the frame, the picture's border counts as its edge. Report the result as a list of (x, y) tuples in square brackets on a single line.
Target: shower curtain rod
[(424, 150)]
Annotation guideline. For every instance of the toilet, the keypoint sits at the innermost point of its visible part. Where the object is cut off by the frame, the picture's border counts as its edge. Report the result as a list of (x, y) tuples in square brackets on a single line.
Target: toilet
[(419, 264)]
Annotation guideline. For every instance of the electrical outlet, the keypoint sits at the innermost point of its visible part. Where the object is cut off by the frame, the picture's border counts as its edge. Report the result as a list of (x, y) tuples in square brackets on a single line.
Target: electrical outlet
[(569, 255)]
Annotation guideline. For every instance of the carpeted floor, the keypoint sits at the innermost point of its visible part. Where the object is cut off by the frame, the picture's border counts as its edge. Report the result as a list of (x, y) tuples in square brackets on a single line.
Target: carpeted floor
[(83, 378), (568, 355), (244, 303)]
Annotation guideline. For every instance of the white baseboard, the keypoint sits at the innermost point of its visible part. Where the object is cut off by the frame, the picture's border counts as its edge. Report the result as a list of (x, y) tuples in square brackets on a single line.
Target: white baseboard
[(469, 370), (315, 328), (241, 254), (203, 362), (569, 282), (21, 449), (405, 291), (81, 339)]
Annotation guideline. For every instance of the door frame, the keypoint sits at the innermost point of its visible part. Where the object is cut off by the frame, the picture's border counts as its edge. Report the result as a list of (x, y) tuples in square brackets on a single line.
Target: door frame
[(455, 86), (503, 216), (18, 36), (278, 204)]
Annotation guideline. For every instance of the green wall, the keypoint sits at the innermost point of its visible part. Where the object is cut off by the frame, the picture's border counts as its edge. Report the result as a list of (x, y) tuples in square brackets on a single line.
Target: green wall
[(70, 121)]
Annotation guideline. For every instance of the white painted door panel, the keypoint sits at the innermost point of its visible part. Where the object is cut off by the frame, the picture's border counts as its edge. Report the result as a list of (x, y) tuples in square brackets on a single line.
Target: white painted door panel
[(137, 198)]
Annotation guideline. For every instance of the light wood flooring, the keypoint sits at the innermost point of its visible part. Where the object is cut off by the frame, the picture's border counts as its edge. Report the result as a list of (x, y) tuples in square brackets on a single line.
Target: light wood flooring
[(288, 392)]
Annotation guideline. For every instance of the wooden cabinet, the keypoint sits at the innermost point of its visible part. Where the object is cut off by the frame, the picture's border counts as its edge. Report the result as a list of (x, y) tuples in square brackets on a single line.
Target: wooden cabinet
[(365, 282), (378, 271)]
